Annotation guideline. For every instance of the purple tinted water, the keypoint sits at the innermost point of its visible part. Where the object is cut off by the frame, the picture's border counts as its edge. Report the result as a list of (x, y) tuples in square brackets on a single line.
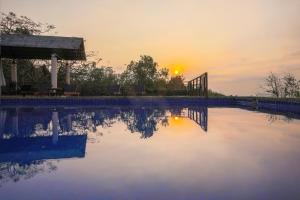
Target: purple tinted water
[(148, 153)]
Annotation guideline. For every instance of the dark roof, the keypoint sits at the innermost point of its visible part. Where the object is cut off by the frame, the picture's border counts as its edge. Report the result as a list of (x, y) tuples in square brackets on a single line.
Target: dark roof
[(17, 46)]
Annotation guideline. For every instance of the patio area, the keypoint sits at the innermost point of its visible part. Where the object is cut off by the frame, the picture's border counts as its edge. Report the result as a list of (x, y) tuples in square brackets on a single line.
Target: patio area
[(35, 47)]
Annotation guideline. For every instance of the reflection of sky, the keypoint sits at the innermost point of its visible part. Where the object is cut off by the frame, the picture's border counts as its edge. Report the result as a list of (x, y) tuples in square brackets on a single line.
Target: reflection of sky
[(242, 156)]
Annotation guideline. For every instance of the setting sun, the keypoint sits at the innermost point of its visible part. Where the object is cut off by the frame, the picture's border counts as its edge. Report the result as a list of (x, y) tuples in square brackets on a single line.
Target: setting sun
[(176, 72)]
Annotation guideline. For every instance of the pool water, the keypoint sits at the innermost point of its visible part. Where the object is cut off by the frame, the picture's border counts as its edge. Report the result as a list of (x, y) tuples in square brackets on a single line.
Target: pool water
[(148, 153)]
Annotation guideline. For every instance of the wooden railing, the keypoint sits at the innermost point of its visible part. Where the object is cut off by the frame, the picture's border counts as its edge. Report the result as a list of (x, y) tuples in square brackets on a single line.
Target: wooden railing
[(199, 115), (198, 86)]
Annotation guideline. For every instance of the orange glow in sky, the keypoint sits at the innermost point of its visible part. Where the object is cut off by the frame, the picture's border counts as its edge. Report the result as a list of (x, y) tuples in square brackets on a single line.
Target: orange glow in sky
[(177, 68)]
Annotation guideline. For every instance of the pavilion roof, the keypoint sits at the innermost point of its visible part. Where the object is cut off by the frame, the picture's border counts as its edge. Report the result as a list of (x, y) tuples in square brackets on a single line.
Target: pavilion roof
[(18, 46)]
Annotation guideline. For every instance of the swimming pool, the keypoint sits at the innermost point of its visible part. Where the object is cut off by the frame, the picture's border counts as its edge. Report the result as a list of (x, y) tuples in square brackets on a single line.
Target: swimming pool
[(148, 152)]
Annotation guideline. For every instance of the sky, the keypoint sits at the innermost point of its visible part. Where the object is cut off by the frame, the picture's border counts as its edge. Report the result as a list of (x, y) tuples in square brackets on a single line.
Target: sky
[(238, 42)]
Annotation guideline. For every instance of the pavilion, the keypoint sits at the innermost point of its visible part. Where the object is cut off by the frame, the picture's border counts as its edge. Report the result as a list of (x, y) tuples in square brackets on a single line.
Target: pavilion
[(18, 46)]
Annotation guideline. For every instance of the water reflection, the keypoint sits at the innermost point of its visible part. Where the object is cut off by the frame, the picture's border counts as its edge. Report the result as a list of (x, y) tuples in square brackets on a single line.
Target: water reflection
[(54, 122), (31, 139), (10, 171), (199, 115), (243, 154), (274, 116)]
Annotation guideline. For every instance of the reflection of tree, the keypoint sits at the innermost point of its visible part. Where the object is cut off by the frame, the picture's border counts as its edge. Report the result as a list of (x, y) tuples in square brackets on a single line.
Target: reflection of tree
[(87, 119), (273, 118), (143, 120), (17, 171), (33, 122), (274, 115)]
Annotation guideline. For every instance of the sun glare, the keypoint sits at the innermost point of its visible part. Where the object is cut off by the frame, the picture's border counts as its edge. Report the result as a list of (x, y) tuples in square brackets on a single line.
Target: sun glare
[(177, 69)]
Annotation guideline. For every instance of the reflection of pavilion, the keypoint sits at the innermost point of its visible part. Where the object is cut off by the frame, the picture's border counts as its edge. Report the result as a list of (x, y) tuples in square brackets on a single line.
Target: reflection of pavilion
[(23, 150), (33, 134)]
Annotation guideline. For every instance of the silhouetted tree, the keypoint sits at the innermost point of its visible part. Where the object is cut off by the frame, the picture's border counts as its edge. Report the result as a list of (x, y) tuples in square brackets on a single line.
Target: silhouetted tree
[(291, 86), (273, 85), (287, 86), (13, 24), (140, 76)]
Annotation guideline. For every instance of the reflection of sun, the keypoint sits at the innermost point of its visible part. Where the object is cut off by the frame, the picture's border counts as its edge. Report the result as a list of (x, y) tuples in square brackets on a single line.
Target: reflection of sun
[(176, 118)]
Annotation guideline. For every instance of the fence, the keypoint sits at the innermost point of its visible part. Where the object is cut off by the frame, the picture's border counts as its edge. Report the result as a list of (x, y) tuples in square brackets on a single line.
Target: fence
[(198, 86)]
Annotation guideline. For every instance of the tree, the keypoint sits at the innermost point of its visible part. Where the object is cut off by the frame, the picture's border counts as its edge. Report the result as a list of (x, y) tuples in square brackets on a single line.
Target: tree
[(140, 76), (287, 86), (176, 83), (12, 24), (273, 85), (291, 86), (175, 86), (214, 93)]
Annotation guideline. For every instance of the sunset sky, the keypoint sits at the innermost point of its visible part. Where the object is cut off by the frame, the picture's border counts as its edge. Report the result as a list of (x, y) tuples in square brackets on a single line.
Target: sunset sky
[(238, 42)]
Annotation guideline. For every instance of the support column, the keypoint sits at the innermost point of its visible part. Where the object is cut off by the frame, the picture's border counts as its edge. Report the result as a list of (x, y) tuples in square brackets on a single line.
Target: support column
[(2, 79), (14, 75), (54, 71), (69, 123), (15, 123), (55, 124), (68, 71)]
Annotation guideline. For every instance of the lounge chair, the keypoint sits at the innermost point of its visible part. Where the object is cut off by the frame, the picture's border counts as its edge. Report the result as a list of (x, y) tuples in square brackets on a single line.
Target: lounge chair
[(55, 91), (26, 90), (10, 89), (70, 90)]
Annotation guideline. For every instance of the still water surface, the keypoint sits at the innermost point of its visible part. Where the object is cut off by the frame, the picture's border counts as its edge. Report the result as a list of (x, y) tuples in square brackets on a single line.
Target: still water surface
[(148, 153)]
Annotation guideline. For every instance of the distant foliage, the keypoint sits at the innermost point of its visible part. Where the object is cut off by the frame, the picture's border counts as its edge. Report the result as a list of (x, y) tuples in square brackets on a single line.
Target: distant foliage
[(214, 94), (13, 24), (282, 87)]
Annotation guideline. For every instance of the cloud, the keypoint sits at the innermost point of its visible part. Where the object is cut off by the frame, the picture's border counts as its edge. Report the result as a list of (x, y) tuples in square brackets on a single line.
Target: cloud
[(295, 54)]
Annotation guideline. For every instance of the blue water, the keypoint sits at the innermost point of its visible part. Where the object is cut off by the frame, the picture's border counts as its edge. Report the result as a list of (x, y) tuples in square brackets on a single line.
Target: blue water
[(148, 153)]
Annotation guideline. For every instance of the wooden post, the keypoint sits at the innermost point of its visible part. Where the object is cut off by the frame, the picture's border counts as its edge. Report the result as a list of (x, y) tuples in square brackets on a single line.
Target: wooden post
[(199, 86), (206, 85)]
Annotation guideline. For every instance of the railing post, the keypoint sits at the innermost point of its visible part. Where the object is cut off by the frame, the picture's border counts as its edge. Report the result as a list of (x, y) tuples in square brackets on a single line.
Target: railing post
[(206, 85)]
